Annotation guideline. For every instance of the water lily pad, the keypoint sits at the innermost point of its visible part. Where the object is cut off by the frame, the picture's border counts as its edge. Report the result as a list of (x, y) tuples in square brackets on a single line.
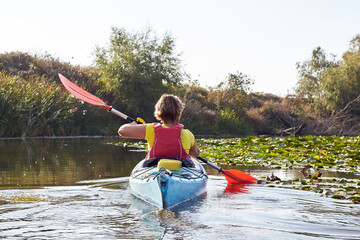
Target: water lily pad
[(337, 196)]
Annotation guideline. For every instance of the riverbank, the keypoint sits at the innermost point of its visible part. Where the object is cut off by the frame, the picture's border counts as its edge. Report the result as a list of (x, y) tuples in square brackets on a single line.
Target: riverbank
[(56, 137)]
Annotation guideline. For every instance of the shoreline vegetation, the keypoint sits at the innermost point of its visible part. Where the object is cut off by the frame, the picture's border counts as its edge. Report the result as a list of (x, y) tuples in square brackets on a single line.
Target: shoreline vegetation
[(134, 69)]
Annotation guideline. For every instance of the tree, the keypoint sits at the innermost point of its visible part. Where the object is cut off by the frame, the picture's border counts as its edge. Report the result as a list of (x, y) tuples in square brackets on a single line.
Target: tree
[(232, 93), (238, 82), (331, 84), (310, 74), (311, 83), (341, 83), (136, 68)]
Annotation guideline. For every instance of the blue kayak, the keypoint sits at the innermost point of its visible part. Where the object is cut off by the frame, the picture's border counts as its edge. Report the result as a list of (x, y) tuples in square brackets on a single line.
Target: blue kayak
[(166, 183)]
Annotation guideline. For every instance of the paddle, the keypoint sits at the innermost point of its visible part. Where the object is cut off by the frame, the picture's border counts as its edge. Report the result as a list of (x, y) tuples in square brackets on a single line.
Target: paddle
[(89, 98), (232, 176)]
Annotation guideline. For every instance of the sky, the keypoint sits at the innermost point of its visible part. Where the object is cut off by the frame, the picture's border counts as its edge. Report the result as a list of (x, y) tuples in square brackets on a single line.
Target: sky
[(263, 39)]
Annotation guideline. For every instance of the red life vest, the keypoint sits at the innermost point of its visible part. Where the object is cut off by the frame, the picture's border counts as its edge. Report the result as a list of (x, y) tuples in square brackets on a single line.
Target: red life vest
[(167, 143)]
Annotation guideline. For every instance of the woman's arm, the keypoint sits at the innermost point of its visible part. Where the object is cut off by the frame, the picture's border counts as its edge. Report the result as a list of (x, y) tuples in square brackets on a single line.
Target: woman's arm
[(194, 151), (133, 130)]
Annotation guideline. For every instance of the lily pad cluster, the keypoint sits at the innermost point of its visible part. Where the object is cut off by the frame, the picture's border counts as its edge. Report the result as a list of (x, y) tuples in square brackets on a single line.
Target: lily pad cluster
[(331, 152), (139, 145)]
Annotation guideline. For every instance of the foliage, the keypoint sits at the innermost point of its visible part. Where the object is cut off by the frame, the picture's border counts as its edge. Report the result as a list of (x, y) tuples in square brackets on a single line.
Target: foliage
[(32, 107), (237, 82), (273, 115), (45, 66), (331, 84), (342, 82), (310, 73), (232, 93), (262, 113), (199, 119), (136, 68), (228, 123), (204, 116), (39, 107), (41, 95), (325, 152), (193, 92), (329, 153), (198, 114)]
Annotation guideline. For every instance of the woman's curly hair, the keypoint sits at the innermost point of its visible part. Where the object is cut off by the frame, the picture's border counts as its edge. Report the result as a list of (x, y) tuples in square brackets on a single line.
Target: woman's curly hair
[(169, 108)]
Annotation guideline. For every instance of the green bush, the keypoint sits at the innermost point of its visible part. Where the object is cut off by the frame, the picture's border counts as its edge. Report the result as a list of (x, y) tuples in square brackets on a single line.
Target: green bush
[(38, 107), (228, 123), (198, 119)]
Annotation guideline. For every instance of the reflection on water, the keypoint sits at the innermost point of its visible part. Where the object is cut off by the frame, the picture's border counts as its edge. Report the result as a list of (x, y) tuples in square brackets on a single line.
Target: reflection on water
[(78, 189), (44, 162)]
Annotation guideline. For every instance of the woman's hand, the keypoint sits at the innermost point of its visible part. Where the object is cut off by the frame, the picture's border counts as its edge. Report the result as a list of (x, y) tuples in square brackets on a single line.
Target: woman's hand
[(194, 151)]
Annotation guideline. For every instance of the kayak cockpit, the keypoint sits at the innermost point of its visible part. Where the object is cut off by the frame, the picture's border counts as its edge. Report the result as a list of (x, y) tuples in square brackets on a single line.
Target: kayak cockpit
[(166, 182)]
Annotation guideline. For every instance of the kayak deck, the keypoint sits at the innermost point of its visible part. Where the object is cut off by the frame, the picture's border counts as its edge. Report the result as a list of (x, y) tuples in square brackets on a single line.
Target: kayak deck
[(166, 188)]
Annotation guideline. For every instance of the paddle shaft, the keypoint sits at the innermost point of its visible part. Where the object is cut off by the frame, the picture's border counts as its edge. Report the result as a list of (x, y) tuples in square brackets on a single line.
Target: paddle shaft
[(120, 114), (209, 163)]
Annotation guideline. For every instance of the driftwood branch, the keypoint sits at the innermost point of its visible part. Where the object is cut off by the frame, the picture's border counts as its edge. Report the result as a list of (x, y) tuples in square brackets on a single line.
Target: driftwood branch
[(345, 122), (295, 131)]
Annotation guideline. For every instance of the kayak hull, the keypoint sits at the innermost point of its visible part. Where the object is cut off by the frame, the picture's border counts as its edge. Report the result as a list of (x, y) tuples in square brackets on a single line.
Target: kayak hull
[(166, 189)]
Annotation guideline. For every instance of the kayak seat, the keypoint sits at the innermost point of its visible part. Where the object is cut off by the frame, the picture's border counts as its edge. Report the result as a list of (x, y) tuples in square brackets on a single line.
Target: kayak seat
[(154, 161), (170, 164)]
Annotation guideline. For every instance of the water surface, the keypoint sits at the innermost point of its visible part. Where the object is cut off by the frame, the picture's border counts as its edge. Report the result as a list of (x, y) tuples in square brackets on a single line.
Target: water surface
[(78, 189)]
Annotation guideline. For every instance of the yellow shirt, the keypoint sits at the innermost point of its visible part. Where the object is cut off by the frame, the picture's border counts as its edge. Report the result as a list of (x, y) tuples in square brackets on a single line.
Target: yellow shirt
[(187, 138)]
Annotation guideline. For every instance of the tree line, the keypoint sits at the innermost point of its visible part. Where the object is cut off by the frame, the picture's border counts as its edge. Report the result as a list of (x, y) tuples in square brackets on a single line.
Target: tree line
[(135, 68)]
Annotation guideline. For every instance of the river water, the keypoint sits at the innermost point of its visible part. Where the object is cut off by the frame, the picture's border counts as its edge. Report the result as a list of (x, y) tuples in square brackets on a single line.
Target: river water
[(78, 189)]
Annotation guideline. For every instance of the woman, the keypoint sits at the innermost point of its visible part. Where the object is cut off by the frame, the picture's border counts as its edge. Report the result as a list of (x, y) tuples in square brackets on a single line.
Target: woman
[(167, 139)]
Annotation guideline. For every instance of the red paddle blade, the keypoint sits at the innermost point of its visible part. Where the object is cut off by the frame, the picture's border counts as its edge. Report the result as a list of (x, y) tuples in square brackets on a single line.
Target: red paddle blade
[(82, 94), (236, 176), (236, 188)]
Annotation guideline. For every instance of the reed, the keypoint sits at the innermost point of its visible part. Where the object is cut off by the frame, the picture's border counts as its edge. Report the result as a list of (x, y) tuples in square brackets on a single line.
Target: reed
[(32, 106)]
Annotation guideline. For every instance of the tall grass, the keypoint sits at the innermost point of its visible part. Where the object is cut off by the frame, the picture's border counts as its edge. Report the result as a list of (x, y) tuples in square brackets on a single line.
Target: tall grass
[(32, 106)]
